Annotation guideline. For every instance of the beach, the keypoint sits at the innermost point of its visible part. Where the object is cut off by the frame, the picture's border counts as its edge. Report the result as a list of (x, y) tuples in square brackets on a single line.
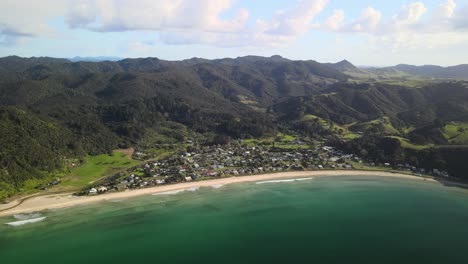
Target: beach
[(58, 201)]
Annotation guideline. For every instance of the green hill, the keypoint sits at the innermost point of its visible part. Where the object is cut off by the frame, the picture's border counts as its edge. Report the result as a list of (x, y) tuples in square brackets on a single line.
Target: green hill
[(53, 110)]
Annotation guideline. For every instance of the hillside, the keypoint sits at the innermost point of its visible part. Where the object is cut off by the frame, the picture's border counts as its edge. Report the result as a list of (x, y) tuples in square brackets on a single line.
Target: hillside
[(458, 72), (348, 68), (381, 109), (101, 106), (69, 110)]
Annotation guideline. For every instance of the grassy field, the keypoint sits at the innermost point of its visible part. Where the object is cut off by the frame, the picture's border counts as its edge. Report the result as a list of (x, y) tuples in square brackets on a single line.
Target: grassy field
[(345, 132), (378, 125), (406, 144), (412, 83), (96, 167), (313, 117), (457, 133), (351, 136), (283, 141)]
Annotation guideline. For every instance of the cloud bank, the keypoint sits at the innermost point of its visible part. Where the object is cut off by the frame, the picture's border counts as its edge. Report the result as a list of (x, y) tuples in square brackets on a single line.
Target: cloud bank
[(413, 27), (222, 23)]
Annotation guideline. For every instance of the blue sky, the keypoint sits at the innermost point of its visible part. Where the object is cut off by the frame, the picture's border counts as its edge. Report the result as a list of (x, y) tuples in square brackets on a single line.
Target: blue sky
[(365, 32)]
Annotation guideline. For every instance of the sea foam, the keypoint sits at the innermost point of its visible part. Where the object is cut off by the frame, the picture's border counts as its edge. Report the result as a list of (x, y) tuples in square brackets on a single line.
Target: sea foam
[(289, 180), (193, 189), (27, 216), (217, 186)]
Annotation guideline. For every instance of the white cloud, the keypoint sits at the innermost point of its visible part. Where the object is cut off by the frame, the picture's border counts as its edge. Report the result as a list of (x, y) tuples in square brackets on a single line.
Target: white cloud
[(188, 21), (444, 11), (335, 21), (366, 22), (408, 29), (295, 21), (22, 19), (410, 14), (408, 41), (216, 22), (222, 23), (155, 15)]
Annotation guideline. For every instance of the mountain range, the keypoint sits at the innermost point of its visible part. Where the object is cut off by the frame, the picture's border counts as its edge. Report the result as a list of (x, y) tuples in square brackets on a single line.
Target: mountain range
[(51, 108)]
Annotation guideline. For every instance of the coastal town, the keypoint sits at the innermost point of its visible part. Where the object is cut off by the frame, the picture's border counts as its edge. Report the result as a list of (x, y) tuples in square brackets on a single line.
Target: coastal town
[(240, 159)]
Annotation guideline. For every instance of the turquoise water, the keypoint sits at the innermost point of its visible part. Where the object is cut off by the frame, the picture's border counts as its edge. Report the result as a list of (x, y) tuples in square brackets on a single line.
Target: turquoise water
[(323, 220)]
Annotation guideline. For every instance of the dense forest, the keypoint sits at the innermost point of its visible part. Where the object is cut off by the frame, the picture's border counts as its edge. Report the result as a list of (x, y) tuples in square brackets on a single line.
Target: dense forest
[(54, 109)]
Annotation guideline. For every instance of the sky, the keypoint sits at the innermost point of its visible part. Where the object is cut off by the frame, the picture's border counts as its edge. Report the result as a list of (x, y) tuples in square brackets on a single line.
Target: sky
[(365, 32)]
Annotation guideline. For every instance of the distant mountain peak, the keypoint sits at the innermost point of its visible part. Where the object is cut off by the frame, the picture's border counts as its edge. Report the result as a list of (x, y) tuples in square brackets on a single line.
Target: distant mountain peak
[(343, 65), (278, 58)]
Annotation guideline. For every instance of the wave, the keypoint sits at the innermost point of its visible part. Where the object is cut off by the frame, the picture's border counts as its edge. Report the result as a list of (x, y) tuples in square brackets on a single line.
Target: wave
[(305, 179), (217, 186), (280, 181), (115, 200), (28, 221), (27, 216), (193, 189)]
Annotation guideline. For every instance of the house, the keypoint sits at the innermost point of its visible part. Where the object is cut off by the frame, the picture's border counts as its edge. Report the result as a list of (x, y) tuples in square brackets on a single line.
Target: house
[(92, 191), (188, 178), (159, 182), (211, 173), (327, 148), (102, 189)]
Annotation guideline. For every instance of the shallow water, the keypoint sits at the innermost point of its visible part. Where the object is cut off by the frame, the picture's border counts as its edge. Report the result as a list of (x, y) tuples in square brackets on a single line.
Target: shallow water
[(321, 220)]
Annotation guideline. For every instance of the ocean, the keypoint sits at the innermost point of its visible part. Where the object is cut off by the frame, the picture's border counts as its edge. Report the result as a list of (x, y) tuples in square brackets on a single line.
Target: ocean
[(318, 220)]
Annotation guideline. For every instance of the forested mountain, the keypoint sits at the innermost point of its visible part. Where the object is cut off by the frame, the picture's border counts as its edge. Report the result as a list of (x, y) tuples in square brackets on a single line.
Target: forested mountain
[(32, 146), (459, 72), (348, 68), (52, 109), (347, 103)]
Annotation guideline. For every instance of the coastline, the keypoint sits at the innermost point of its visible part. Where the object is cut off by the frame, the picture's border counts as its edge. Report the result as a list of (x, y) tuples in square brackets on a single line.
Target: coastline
[(59, 201)]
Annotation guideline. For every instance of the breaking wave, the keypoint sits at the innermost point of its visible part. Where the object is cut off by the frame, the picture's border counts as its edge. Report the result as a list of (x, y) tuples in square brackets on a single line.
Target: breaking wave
[(25, 222), (27, 216), (193, 189), (289, 180)]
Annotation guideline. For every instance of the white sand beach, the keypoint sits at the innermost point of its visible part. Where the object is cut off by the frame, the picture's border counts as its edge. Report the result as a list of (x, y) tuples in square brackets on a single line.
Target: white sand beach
[(56, 201)]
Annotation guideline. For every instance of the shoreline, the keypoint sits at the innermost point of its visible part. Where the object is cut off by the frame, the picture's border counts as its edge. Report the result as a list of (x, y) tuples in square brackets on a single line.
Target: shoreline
[(65, 200)]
